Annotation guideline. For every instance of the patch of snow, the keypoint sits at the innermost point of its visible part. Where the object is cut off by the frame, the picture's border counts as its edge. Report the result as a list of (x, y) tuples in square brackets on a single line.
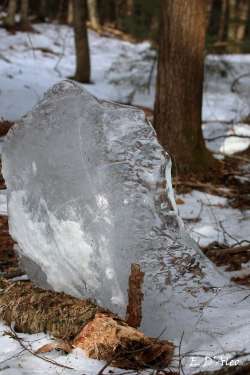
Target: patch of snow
[(3, 202), (37, 61), (220, 137), (16, 361), (206, 217)]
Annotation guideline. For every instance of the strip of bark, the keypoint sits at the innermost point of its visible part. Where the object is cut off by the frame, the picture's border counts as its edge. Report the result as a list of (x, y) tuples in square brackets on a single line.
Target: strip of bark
[(99, 332), (135, 296)]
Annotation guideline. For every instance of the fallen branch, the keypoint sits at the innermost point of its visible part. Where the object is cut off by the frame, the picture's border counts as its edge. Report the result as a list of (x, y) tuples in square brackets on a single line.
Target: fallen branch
[(229, 370), (101, 334), (228, 250), (208, 187)]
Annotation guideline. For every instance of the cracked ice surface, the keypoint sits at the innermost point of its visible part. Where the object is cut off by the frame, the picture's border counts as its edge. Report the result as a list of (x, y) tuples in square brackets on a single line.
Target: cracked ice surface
[(89, 193)]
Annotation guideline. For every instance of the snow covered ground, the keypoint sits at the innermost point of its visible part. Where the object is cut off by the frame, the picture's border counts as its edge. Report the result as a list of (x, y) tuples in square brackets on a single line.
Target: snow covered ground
[(31, 63), (209, 218), (14, 360)]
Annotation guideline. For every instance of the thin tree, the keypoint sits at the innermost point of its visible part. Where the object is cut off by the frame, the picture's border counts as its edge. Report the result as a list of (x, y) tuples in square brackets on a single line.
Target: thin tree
[(24, 15), (237, 25), (42, 10), (93, 14), (179, 84), (70, 16), (10, 18), (82, 73), (222, 26)]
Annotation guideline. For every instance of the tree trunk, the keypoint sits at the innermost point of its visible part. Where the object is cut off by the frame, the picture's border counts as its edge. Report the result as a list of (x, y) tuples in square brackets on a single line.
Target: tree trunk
[(179, 84), (10, 19), (62, 15), (222, 25), (81, 42), (24, 15), (243, 7), (42, 10), (237, 27), (130, 8), (93, 14), (70, 17)]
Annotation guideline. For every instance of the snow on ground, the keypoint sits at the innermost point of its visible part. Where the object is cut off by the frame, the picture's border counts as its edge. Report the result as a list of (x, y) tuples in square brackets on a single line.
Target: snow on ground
[(31, 63), (3, 202), (14, 360), (226, 139), (209, 219)]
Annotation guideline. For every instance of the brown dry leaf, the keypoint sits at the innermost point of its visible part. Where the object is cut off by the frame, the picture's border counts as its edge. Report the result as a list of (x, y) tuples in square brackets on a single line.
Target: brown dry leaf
[(179, 201), (64, 346)]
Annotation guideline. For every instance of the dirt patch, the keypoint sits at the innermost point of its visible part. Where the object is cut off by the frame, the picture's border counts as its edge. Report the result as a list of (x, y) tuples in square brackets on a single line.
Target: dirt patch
[(5, 127), (8, 259)]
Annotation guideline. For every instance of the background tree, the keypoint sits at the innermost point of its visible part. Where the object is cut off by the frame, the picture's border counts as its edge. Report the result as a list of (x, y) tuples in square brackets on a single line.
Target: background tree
[(70, 17), (237, 24), (24, 15), (63, 11), (81, 42), (42, 10), (11, 12), (179, 84), (93, 14)]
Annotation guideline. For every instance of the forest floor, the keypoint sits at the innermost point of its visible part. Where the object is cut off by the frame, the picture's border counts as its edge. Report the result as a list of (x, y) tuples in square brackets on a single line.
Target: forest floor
[(216, 216)]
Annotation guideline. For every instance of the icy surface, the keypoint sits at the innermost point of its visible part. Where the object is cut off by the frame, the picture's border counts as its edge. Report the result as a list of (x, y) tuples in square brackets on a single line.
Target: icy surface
[(89, 193)]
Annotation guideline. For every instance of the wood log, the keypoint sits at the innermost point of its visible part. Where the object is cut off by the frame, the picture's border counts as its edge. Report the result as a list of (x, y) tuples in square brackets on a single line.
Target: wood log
[(100, 333), (243, 369)]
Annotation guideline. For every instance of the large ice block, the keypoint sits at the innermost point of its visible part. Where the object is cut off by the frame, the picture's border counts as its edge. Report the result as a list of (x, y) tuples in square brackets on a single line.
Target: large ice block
[(89, 194)]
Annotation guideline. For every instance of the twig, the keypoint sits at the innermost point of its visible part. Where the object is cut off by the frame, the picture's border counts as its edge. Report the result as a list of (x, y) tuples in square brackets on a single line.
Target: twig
[(151, 73), (237, 79), (32, 47), (179, 352), (61, 54), (227, 136), (12, 357), (13, 334)]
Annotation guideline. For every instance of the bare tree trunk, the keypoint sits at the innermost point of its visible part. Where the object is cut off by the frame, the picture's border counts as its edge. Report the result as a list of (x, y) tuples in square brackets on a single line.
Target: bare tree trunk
[(179, 84), (24, 14), (130, 8), (42, 10), (243, 7), (81, 42), (222, 25), (232, 20), (93, 14), (62, 15), (70, 17), (238, 17), (10, 19)]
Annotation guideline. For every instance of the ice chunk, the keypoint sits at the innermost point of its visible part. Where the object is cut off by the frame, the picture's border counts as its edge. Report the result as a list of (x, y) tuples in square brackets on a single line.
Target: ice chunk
[(89, 194)]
